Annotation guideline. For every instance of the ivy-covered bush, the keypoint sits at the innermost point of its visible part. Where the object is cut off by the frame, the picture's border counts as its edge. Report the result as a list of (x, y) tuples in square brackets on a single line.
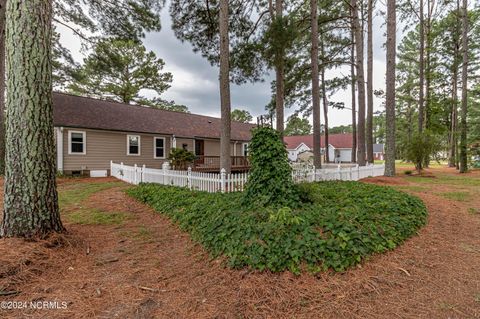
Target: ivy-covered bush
[(270, 180), (339, 224)]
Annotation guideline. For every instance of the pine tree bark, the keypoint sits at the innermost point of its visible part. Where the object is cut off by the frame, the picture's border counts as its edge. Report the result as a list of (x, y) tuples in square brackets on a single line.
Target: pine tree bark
[(325, 104), (390, 89), (325, 115), (361, 156), (369, 128), (280, 78), (452, 159), (31, 200), (3, 4), (463, 115), (225, 102), (453, 121), (421, 102), (354, 93), (317, 159)]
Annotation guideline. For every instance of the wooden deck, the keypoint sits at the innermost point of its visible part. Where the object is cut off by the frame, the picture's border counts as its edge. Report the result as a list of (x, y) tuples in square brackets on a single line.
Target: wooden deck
[(212, 164)]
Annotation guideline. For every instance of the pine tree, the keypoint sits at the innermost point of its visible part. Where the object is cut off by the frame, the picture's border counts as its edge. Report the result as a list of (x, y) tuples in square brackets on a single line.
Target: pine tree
[(390, 89), (119, 69), (31, 200), (225, 157)]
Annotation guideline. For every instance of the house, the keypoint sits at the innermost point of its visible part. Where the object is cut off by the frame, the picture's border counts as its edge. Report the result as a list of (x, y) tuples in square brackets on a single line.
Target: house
[(90, 133), (300, 148), (339, 146), (378, 152)]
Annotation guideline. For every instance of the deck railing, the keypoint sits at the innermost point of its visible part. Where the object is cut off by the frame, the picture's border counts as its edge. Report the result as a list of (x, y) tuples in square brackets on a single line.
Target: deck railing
[(212, 163)]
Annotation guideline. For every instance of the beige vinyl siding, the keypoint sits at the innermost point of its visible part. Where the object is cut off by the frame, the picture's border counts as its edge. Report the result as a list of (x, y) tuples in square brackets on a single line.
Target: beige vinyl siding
[(103, 146), (212, 148), (190, 143)]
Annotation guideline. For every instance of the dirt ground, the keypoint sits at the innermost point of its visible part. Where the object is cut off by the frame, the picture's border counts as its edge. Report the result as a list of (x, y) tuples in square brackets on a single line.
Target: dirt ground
[(145, 267)]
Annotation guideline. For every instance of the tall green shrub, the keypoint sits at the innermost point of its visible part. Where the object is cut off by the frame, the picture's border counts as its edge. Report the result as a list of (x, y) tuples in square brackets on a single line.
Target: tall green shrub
[(270, 182), (421, 148)]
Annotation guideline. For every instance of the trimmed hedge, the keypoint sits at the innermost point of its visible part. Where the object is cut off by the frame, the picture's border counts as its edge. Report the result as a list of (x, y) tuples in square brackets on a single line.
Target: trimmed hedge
[(339, 224)]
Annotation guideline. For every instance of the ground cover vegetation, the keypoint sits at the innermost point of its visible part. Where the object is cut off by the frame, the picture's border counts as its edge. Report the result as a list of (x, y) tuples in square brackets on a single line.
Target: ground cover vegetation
[(276, 225)]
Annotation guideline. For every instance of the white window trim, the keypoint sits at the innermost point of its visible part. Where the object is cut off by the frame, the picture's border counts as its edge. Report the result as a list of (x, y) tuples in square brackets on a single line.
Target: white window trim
[(155, 147), (84, 134), (139, 145), (243, 148)]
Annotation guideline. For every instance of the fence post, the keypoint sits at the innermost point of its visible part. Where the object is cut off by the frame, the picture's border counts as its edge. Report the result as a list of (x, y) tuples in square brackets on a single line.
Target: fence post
[(189, 180), (223, 174), (135, 174), (111, 168), (143, 173), (165, 168), (339, 176)]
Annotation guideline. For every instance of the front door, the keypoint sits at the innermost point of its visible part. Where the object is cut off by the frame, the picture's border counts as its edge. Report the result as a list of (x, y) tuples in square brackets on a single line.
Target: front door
[(200, 150)]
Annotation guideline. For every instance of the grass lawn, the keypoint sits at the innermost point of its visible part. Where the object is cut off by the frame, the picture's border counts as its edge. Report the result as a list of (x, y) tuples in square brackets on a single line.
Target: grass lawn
[(339, 224)]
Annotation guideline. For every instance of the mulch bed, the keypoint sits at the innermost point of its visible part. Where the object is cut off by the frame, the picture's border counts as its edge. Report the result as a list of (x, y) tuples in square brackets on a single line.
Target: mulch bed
[(148, 268)]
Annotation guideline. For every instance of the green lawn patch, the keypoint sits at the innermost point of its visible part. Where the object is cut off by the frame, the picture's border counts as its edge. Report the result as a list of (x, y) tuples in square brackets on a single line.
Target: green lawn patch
[(413, 188), (96, 217), (339, 224), (74, 194), (474, 211), (457, 196)]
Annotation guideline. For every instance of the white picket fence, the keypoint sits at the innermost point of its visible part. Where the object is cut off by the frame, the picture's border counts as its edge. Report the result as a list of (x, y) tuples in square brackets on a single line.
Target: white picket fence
[(342, 173), (223, 182), (209, 182)]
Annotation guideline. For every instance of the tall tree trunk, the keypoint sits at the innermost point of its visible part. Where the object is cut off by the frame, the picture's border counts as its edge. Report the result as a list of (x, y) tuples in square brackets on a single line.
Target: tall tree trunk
[(421, 102), (354, 91), (225, 156), (463, 121), (280, 77), (325, 105), (3, 4), (390, 89), (361, 86), (452, 159), (453, 122), (317, 160), (31, 200), (369, 133)]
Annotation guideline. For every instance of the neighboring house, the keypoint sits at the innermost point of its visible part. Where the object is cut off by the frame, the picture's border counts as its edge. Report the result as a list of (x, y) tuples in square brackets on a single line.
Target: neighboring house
[(339, 148), (300, 147), (90, 133), (378, 152)]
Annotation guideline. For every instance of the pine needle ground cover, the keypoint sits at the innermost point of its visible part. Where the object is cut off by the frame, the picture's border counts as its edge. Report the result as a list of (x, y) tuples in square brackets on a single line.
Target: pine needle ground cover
[(337, 224)]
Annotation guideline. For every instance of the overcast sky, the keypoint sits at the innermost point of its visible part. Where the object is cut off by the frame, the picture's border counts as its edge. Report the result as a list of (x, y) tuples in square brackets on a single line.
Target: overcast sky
[(195, 81)]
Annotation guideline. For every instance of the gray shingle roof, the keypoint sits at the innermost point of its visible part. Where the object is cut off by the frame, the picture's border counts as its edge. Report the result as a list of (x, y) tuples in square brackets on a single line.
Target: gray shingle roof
[(83, 112)]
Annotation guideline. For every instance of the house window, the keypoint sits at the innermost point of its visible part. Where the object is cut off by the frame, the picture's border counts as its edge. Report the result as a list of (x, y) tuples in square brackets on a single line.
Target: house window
[(133, 145), (245, 149), (159, 147), (77, 142)]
